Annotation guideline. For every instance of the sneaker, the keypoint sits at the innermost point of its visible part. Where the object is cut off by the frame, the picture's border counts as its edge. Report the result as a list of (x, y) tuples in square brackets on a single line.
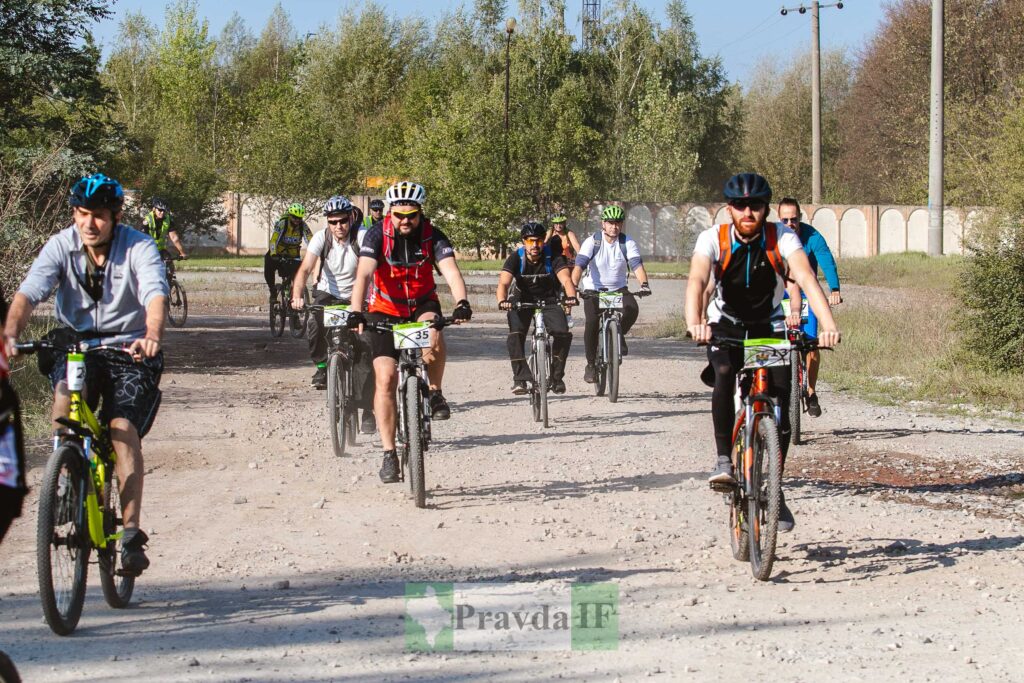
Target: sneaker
[(133, 557), (623, 349), (813, 409), (723, 472), (319, 380), (369, 423), (786, 521), (557, 386), (519, 388), (439, 409), (590, 374), (389, 468)]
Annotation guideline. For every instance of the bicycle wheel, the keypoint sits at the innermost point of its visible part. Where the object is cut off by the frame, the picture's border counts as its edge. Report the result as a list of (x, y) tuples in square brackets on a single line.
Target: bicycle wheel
[(177, 305), (535, 387), (337, 405), (276, 318), (614, 359), (414, 433), (795, 395), (8, 672), (117, 589), (738, 538), (540, 375), (62, 542), (763, 505), (298, 319)]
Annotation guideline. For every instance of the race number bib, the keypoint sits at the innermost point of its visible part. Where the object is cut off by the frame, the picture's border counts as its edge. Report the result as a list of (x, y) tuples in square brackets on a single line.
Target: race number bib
[(336, 316), (805, 308), (765, 353), (412, 335), (76, 372), (609, 300)]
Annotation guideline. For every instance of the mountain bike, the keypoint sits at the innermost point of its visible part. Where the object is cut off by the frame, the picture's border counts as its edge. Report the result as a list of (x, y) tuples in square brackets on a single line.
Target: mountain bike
[(754, 501), (413, 436), (342, 413), (797, 376), (177, 301), (281, 311), (609, 356), (79, 504), (540, 357)]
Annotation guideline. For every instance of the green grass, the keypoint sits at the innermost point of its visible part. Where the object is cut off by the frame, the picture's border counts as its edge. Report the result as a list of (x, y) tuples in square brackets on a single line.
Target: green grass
[(904, 271), (207, 262), (33, 388)]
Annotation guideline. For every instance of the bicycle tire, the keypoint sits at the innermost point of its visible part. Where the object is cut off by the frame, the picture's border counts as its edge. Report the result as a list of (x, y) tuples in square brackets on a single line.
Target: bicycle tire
[(117, 589), (414, 434), (795, 395), (276, 318), (738, 536), (177, 305), (298, 320), (337, 404), (541, 378), (62, 508), (8, 672), (614, 359), (763, 505), (534, 387)]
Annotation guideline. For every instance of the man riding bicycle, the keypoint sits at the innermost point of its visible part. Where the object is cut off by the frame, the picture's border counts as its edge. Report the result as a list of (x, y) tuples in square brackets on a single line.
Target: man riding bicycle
[(818, 253), (290, 236), (157, 224), (376, 214), (111, 288), (540, 275), (337, 250), (400, 254), (608, 256), (751, 261)]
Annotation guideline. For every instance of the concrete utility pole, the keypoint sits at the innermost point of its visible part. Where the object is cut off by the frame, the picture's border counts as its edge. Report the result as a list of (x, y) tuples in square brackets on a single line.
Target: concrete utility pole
[(936, 202), (815, 93)]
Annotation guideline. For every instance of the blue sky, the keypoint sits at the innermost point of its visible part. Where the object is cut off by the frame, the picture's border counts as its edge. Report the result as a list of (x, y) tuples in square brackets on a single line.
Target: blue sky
[(742, 32)]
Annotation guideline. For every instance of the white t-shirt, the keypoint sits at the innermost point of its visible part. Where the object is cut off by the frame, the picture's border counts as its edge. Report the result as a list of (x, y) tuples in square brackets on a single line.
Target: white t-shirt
[(707, 245), (339, 271), (607, 270)]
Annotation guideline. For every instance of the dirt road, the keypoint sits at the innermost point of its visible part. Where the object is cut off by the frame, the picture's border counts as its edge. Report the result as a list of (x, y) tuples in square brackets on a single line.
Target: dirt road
[(906, 561)]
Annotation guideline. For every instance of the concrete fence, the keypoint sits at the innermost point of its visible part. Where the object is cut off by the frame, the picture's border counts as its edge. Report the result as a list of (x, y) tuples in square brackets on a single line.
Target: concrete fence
[(668, 231)]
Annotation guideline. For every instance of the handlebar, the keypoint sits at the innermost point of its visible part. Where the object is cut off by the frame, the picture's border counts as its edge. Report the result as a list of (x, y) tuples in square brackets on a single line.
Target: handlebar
[(37, 345), (520, 305), (591, 294), (439, 322), (801, 344)]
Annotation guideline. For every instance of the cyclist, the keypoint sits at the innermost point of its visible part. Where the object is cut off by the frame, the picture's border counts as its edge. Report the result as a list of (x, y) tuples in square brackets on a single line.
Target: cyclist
[(376, 213), (750, 260), (539, 274), (570, 242), (12, 445), (818, 253), (337, 250), (111, 287), (608, 256), (291, 234), (399, 255), (157, 224)]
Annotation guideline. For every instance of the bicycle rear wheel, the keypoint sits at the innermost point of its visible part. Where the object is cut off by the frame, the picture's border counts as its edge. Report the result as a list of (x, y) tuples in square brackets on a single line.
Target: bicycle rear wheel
[(414, 432), (337, 404), (738, 523), (540, 375), (614, 358), (62, 542), (117, 588), (298, 319), (276, 318), (177, 305), (763, 504), (795, 395)]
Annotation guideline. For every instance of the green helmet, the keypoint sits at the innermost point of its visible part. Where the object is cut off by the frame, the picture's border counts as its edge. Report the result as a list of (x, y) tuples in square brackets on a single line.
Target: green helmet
[(558, 218), (613, 213), (297, 210)]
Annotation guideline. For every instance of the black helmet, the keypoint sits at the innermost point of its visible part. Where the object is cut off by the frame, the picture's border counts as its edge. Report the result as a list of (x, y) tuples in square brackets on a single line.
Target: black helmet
[(748, 186), (97, 192), (158, 203), (532, 229), (376, 205)]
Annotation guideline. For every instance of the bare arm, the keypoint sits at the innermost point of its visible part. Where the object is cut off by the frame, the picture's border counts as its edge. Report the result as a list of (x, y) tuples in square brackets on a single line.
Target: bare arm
[(301, 275), (574, 241), (149, 346), (504, 282), (577, 274), (800, 268), (567, 283), (364, 271), (696, 287), (17, 319), (453, 276), (641, 274), (173, 235)]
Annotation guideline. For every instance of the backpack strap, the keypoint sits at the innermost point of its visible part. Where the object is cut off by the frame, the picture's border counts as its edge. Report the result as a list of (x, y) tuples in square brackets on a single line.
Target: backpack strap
[(724, 250), (599, 239), (521, 251), (771, 249), (328, 243)]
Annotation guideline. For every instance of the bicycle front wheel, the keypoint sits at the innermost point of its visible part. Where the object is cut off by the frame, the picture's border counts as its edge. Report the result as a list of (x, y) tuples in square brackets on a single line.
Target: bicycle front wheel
[(765, 499), (337, 406), (535, 388), (541, 377), (62, 542), (177, 305), (414, 433), (117, 588), (614, 358), (795, 395), (298, 319), (738, 524)]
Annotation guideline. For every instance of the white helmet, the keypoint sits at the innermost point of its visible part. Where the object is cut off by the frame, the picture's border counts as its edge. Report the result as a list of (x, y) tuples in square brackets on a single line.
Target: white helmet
[(406, 191)]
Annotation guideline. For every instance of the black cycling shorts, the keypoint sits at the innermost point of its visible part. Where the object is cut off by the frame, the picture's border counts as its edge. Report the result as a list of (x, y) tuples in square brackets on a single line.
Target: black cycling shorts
[(383, 343), (128, 389)]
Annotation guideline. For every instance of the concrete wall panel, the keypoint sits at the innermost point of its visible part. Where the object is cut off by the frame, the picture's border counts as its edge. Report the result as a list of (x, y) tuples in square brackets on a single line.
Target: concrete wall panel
[(892, 232), (828, 225), (853, 234), (917, 231)]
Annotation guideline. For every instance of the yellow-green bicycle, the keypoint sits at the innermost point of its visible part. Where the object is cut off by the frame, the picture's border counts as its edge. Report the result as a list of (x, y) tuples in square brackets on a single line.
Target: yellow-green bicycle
[(79, 505)]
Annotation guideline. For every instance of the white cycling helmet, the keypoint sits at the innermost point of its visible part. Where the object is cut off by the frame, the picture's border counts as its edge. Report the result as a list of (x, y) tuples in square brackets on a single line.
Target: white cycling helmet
[(406, 191), (337, 204)]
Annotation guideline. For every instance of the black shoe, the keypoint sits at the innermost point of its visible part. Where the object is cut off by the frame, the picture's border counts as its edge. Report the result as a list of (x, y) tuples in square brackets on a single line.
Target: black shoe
[(590, 374), (813, 409), (369, 423), (319, 380), (389, 468), (519, 388), (722, 476), (557, 386), (623, 349), (439, 409), (133, 557), (786, 521)]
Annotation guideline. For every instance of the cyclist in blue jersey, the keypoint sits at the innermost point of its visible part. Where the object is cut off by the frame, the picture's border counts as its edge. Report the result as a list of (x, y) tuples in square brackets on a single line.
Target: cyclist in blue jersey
[(818, 254)]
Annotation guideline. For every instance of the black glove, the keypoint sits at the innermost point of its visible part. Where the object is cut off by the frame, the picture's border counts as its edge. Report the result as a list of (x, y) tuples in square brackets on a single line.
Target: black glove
[(570, 301), (462, 311), (355, 319), (645, 289), (504, 305)]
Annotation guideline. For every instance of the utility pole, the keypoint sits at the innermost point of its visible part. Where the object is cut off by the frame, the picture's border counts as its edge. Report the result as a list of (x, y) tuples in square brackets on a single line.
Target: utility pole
[(591, 20), (936, 201), (510, 28), (815, 92)]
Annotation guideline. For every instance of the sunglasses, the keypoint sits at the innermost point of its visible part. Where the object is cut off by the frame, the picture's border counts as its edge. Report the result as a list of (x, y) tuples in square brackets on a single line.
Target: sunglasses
[(405, 214), (533, 240), (791, 221), (338, 221), (752, 204)]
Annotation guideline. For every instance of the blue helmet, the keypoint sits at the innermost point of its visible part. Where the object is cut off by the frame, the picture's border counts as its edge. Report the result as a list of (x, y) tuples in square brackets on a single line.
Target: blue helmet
[(97, 191)]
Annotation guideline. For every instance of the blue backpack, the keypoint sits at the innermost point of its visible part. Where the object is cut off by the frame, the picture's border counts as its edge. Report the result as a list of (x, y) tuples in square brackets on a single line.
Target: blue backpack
[(547, 258)]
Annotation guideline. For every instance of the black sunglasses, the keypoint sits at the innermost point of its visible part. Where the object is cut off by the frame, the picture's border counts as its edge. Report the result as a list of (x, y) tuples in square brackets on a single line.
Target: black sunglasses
[(754, 204), (791, 221), (338, 221)]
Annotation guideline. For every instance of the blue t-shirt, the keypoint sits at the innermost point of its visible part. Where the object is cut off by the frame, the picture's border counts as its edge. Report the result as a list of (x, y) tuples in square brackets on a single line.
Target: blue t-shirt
[(818, 253)]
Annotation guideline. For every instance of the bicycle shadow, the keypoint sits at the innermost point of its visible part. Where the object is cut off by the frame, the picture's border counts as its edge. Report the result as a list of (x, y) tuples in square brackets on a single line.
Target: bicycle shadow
[(989, 484)]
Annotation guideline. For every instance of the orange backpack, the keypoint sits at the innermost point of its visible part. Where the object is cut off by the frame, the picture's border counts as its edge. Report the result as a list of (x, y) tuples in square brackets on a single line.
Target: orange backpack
[(771, 248)]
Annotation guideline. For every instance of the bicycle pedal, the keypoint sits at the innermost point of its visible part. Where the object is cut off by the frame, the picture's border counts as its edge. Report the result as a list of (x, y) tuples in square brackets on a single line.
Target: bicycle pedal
[(721, 486), (126, 574)]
